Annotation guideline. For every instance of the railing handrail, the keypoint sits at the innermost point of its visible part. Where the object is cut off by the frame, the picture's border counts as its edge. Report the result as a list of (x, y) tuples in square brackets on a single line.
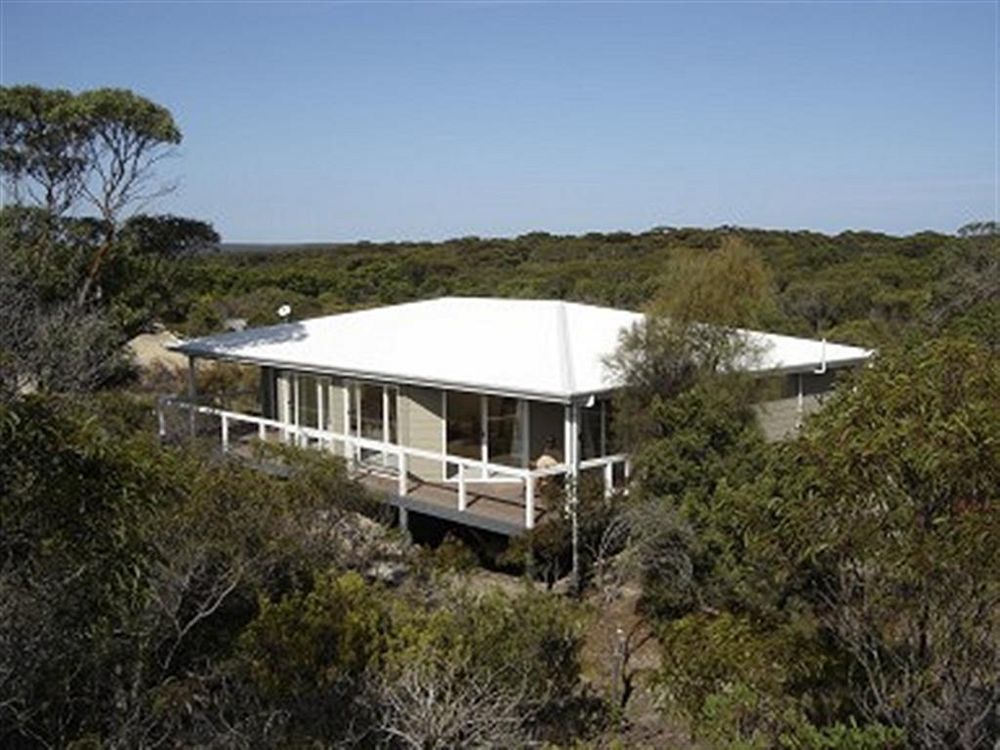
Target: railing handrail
[(404, 452), (395, 448)]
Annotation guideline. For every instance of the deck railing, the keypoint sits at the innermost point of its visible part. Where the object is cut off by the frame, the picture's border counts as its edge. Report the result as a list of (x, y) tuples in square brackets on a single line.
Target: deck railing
[(233, 423)]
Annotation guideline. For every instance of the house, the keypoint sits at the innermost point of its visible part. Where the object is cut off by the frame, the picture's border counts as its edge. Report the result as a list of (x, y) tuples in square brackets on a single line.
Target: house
[(446, 404)]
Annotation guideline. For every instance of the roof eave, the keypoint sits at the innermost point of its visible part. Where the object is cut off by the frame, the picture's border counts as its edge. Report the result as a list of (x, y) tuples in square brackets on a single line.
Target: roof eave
[(395, 378)]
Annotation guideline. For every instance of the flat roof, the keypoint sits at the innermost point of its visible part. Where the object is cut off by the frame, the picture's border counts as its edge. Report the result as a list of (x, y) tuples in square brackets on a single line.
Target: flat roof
[(546, 349)]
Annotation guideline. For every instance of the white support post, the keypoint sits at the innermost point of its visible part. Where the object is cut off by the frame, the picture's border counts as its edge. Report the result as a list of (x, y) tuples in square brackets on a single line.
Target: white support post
[(462, 504), (799, 404), (385, 425), (320, 410), (225, 433), (161, 420), (357, 416), (402, 474), (295, 407), (444, 434), (484, 433), (572, 482), (261, 431), (609, 479), (529, 501), (192, 392)]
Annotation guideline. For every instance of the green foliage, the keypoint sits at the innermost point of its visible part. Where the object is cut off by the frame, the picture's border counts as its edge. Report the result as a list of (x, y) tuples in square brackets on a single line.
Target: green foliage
[(804, 283), (61, 153), (727, 286), (346, 642), (738, 682), (127, 567), (544, 552), (151, 591), (869, 540), (317, 641), (841, 736)]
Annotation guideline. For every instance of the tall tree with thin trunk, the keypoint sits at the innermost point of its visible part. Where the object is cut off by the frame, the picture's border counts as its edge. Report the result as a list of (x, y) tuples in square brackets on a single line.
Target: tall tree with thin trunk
[(98, 149)]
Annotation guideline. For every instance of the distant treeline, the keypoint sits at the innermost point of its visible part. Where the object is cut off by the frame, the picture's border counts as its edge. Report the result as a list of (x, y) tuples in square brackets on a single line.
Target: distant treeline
[(861, 287)]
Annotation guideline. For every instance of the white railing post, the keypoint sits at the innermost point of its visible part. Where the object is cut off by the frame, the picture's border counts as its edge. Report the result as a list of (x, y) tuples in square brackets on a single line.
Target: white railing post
[(609, 479), (461, 487), (161, 419), (261, 431), (402, 473), (529, 501), (225, 433)]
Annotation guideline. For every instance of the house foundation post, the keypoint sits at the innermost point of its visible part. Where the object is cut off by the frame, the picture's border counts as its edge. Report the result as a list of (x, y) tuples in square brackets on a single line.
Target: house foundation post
[(404, 522), (192, 394), (572, 459)]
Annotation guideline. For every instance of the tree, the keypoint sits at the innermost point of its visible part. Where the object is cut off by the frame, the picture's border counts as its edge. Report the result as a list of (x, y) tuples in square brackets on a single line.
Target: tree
[(54, 347), (979, 229), (100, 147), (129, 572), (884, 518), (47, 341), (730, 286), (965, 300), (42, 148)]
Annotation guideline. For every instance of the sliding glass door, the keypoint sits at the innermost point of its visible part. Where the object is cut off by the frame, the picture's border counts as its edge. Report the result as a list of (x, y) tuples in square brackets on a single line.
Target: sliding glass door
[(486, 429), (505, 438), (464, 427), (372, 415)]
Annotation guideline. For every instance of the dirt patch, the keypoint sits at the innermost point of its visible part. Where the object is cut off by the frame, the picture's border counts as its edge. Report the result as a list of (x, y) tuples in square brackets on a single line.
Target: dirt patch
[(149, 350), (621, 654)]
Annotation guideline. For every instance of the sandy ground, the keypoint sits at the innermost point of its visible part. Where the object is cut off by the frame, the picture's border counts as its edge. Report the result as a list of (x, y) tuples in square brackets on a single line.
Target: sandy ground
[(150, 351)]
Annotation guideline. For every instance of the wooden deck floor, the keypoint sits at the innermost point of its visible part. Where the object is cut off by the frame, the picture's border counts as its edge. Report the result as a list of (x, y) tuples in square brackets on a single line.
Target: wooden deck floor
[(497, 507), (492, 506)]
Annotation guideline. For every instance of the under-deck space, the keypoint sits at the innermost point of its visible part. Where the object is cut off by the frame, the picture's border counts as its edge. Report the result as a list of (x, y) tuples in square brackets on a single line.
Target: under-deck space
[(492, 506)]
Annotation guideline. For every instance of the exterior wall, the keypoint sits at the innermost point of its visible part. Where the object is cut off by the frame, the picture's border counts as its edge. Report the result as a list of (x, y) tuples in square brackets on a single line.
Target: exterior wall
[(421, 425), (334, 416), (779, 415)]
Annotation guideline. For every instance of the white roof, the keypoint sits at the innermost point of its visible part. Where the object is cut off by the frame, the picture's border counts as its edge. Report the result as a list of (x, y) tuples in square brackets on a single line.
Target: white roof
[(545, 349)]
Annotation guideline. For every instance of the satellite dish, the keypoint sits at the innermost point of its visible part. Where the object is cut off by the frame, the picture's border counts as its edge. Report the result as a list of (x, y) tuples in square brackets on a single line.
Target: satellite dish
[(284, 311)]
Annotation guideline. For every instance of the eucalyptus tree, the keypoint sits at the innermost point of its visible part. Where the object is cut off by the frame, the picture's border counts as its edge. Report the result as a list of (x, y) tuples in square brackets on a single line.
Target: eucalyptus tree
[(96, 150)]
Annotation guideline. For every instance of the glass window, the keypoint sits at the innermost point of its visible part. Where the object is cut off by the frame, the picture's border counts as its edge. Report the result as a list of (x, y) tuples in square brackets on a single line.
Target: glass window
[(464, 428), (308, 401), (590, 432), (505, 436), (371, 411)]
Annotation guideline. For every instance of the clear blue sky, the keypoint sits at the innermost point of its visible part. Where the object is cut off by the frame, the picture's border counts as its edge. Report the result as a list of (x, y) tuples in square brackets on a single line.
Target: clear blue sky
[(324, 121)]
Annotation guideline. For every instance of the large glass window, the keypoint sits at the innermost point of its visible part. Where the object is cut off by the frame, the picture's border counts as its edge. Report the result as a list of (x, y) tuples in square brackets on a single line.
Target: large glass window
[(372, 414), (464, 427), (592, 431), (308, 401), (505, 431)]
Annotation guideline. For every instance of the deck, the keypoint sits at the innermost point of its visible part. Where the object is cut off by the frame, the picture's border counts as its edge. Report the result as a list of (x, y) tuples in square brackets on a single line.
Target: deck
[(491, 506), (500, 504)]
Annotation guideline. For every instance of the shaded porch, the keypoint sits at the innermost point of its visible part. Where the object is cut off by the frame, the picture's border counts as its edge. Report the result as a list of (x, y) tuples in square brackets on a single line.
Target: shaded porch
[(495, 497)]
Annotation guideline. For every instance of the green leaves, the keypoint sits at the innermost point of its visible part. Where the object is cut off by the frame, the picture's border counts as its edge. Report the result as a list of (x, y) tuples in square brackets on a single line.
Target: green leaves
[(59, 148), (105, 114)]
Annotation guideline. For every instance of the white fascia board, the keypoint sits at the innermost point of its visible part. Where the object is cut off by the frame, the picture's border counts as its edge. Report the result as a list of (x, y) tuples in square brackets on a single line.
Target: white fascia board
[(381, 377)]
